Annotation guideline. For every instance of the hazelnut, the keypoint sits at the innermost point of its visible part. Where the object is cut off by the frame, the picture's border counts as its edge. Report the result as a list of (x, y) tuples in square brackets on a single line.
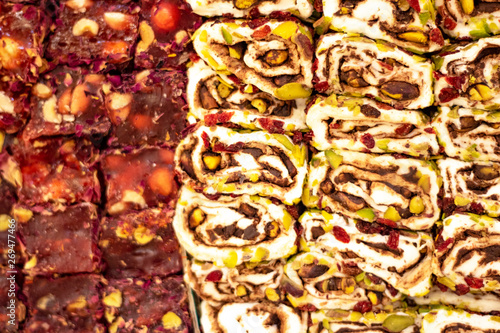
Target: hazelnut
[(118, 21), (49, 111), (119, 106), (85, 27), (80, 101), (40, 90), (6, 104)]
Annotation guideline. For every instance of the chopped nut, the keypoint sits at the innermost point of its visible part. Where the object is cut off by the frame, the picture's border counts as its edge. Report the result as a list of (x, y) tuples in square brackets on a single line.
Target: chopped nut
[(79, 304), (259, 104), (79, 100), (81, 5), (30, 263), (85, 26), (180, 36), (6, 104), (10, 53), (119, 106), (276, 57), (49, 111), (22, 215), (224, 90), (43, 302), (467, 6), (143, 235), (197, 216), (171, 321), (114, 299), (480, 92), (241, 291), (272, 295), (348, 284), (161, 181), (118, 21), (272, 229), (63, 104), (416, 205), (39, 90), (4, 222), (414, 36), (212, 162), (244, 4), (292, 91), (147, 36)]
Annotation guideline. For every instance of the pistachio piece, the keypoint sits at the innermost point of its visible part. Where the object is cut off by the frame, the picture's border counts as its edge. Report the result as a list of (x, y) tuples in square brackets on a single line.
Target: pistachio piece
[(416, 205), (234, 53), (286, 29), (227, 35), (276, 57), (259, 104), (272, 295), (353, 79), (272, 229), (143, 235), (447, 282), (224, 90), (334, 159), (348, 284), (483, 92), (212, 162), (373, 298), (425, 183), (171, 321), (486, 172), (244, 4), (392, 214), (114, 299), (366, 214), (467, 6), (241, 291), (291, 91), (260, 255), (399, 90), (197, 216), (461, 201), (414, 36), (231, 260), (397, 323)]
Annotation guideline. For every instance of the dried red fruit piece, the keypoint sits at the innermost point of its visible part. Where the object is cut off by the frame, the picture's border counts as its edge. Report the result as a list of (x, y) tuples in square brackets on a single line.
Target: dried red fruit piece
[(441, 287), (367, 140), (308, 307), (461, 289), (218, 118), (430, 130), (442, 245), (206, 140), (254, 24), (272, 126), (292, 290), (393, 241), (220, 147), (261, 33), (387, 222), (456, 81), (448, 94), (393, 291), (341, 235), (404, 129), (214, 276), (449, 23), (415, 5), (363, 306), (294, 211), (436, 36), (475, 283), (476, 208), (322, 86)]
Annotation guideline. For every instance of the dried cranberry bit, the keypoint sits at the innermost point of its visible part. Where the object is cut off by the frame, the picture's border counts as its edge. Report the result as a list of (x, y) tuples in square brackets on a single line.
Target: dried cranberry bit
[(363, 306), (322, 86), (218, 118), (461, 289), (436, 36), (340, 234), (441, 287), (415, 5), (222, 148), (367, 140), (294, 211), (206, 139), (441, 246), (456, 81), (272, 126), (214, 276), (449, 23), (474, 283), (476, 208), (254, 24), (448, 94), (393, 241), (387, 222), (261, 33), (404, 129), (307, 307), (393, 291), (430, 130)]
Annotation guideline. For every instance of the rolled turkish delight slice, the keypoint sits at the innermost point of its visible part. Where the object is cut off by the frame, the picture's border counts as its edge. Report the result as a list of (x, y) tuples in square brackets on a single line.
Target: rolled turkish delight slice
[(444, 320), (221, 160), (401, 258), (471, 186), (87, 30), (467, 75), (229, 231), (252, 317), (360, 66), (403, 321), (408, 24), (399, 192), (466, 258), (469, 18), (217, 101), (478, 301), (276, 56), (14, 106), (140, 244), (165, 28), (61, 242), (361, 124), (160, 305), (242, 8), (469, 134), (329, 281), (139, 179), (68, 101), (147, 108), (65, 304), (57, 171), (243, 283), (23, 29)]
